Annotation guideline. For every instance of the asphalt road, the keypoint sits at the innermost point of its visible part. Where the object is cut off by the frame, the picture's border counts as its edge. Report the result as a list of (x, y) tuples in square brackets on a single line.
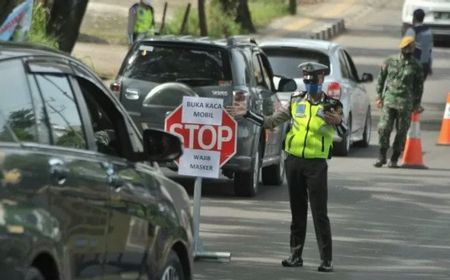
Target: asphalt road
[(386, 223)]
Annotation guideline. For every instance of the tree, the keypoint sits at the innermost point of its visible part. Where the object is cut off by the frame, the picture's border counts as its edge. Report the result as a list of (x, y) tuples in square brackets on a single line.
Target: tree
[(65, 21), (244, 17), (202, 18), (240, 10), (292, 7)]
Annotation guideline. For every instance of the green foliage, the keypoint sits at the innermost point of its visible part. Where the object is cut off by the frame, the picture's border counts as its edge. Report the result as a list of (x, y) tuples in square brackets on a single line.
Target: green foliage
[(173, 26), (37, 32), (264, 11), (219, 24)]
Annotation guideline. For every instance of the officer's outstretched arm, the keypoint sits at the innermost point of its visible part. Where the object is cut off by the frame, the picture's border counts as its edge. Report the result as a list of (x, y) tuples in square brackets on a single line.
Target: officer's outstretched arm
[(254, 118), (279, 117)]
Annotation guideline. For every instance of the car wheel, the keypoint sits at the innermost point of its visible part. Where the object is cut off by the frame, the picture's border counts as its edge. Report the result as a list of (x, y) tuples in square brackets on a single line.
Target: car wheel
[(246, 183), (173, 270), (33, 273), (274, 174), (343, 148), (367, 131)]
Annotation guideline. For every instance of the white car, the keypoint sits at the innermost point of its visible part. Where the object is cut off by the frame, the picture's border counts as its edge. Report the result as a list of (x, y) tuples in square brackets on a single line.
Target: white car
[(342, 83), (437, 16)]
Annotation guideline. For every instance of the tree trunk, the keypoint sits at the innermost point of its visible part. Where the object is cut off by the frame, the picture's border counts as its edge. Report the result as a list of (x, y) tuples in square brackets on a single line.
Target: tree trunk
[(244, 17), (293, 7), (202, 18), (6, 8), (65, 21)]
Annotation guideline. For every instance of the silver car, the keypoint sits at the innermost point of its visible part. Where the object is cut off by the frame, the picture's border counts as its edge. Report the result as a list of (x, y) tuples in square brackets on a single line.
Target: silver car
[(343, 83)]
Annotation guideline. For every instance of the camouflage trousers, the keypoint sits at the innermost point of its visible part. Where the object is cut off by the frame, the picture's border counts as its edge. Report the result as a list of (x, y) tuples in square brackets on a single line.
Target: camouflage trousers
[(390, 117)]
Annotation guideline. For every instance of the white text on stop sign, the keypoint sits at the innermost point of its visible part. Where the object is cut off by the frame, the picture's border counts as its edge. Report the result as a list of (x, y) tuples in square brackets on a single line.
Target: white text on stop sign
[(219, 135)]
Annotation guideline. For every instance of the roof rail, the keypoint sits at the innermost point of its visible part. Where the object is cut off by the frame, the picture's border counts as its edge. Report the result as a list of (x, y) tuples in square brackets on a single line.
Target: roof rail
[(185, 37), (233, 40), (204, 38)]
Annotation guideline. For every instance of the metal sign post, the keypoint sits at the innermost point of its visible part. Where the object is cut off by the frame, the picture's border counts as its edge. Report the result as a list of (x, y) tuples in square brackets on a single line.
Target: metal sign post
[(198, 247)]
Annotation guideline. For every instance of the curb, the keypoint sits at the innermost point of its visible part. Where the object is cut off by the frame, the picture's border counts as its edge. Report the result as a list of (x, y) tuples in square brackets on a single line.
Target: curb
[(328, 32)]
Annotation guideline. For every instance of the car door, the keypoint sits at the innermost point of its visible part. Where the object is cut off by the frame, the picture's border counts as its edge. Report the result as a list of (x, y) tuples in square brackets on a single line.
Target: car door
[(78, 190), (359, 96), (27, 225), (131, 228)]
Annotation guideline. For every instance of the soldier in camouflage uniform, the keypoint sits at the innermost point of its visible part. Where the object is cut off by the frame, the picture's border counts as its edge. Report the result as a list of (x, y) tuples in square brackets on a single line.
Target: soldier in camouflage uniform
[(399, 89), (315, 117)]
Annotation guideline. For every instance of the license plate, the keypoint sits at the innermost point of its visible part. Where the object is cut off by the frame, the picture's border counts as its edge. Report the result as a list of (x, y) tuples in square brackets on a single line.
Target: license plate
[(441, 15)]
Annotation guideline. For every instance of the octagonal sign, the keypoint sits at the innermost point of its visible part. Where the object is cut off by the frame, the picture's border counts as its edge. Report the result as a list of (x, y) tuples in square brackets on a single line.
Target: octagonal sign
[(208, 134)]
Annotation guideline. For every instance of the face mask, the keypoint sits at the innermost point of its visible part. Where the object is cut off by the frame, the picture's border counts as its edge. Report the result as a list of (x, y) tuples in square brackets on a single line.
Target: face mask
[(407, 55), (313, 89)]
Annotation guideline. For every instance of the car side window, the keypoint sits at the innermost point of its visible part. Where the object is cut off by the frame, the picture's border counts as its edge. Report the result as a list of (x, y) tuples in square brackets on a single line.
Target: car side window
[(16, 106), (62, 110), (257, 71), (343, 65), (266, 76), (110, 129), (352, 69)]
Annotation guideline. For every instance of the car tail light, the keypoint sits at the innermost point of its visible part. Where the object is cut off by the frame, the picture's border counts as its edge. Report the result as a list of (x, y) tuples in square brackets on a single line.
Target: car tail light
[(334, 90), (240, 96), (115, 88)]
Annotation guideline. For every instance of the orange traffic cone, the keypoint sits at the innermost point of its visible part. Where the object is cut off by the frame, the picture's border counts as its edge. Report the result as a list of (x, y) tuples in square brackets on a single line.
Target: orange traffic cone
[(412, 154), (444, 136)]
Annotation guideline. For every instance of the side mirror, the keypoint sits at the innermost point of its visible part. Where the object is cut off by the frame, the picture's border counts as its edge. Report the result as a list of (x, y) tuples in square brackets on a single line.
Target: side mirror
[(161, 146), (366, 78), (287, 85)]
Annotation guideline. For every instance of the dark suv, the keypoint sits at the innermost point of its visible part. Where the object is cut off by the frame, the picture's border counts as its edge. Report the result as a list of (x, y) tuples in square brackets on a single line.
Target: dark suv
[(158, 72), (76, 201)]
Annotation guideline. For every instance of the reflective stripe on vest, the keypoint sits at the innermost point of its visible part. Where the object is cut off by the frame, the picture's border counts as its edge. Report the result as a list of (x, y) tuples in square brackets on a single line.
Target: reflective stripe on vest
[(310, 136), (144, 19)]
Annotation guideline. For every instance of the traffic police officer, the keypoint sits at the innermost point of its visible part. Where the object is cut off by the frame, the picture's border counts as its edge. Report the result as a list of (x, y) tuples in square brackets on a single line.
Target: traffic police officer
[(399, 90), (141, 21), (314, 118)]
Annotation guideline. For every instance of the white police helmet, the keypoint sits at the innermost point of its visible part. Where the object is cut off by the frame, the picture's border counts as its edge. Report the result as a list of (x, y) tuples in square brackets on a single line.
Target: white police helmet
[(147, 2)]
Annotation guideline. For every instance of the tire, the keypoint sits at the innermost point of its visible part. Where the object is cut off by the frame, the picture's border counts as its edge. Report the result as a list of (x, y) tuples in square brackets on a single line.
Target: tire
[(247, 183), (173, 270), (364, 143), (343, 148), (33, 273), (274, 174)]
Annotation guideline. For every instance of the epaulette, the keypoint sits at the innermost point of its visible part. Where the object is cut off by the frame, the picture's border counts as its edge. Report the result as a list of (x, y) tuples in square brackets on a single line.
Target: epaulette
[(297, 94)]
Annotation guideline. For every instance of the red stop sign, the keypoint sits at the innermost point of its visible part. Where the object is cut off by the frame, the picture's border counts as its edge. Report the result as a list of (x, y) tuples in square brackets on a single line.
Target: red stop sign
[(220, 138)]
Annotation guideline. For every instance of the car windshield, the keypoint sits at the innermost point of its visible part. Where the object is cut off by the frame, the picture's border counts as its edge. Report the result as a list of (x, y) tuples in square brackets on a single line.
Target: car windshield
[(194, 66), (285, 61)]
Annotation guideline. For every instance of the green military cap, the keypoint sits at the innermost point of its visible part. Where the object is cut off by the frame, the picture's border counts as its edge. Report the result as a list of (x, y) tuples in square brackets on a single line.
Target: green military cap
[(313, 68)]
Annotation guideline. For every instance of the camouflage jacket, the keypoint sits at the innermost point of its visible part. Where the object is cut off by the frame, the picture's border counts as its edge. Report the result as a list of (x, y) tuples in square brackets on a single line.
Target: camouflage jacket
[(400, 83)]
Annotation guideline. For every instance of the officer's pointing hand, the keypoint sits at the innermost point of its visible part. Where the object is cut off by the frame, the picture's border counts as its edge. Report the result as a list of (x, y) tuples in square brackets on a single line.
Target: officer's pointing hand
[(332, 117)]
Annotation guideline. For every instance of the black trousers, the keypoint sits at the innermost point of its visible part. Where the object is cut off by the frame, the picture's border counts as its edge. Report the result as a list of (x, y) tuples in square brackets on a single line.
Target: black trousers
[(307, 178)]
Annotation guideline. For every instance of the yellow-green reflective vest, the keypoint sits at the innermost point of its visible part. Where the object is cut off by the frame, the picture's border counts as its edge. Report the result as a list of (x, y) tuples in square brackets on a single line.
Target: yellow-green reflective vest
[(310, 136), (144, 20)]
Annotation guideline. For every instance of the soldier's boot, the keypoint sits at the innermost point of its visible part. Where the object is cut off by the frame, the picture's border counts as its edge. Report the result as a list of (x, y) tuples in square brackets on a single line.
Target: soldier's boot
[(381, 159), (394, 160), (295, 259)]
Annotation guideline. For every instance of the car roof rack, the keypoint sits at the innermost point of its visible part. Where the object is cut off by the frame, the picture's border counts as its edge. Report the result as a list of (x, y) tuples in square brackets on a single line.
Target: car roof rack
[(240, 40)]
